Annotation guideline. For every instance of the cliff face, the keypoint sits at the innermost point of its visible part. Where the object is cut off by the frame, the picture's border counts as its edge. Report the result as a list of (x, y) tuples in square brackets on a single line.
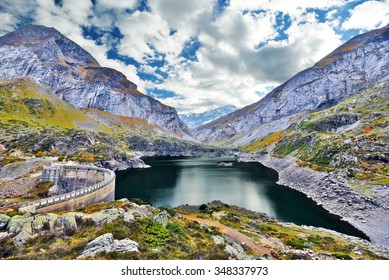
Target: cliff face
[(59, 64), (355, 65)]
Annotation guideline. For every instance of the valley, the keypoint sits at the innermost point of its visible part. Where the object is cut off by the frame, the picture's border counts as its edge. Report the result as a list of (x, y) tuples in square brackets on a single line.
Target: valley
[(324, 131)]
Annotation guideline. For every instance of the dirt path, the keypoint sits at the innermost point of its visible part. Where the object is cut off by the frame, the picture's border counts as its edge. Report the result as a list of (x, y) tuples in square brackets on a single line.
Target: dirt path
[(257, 249)]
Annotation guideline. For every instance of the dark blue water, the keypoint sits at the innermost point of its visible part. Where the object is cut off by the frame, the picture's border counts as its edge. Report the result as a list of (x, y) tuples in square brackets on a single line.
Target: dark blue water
[(172, 181)]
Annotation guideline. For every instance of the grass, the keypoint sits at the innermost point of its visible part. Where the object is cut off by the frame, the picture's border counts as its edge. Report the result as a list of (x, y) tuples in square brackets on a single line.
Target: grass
[(264, 142)]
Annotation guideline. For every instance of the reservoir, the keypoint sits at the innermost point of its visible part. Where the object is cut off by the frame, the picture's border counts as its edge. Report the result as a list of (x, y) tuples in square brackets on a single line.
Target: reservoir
[(173, 181)]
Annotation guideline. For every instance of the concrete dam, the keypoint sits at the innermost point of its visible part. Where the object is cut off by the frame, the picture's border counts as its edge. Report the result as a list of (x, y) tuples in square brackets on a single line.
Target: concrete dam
[(75, 187)]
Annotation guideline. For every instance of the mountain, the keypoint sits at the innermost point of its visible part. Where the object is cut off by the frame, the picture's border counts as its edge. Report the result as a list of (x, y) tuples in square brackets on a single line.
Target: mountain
[(197, 119), (357, 64), (71, 73)]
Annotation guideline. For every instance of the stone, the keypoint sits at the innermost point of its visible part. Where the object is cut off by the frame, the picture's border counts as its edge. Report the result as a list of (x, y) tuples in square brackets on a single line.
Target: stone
[(106, 243), (217, 239), (128, 217), (4, 221), (20, 239), (237, 252), (162, 218), (125, 245), (143, 211), (105, 216), (3, 234), (18, 223), (67, 221), (357, 251), (51, 219), (39, 222)]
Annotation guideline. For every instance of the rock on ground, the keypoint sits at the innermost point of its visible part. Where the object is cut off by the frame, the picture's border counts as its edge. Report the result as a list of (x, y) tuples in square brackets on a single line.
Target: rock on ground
[(106, 243), (4, 221)]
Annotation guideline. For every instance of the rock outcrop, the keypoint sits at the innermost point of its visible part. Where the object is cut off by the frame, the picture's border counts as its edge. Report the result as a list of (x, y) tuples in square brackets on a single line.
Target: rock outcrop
[(357, 64), (59, 64), (106, 243)]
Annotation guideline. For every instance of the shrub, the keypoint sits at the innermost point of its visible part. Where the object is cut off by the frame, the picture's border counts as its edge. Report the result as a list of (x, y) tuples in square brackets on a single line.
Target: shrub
[(296, 243), (342, 256), (155, 234), (171, 212), (61, 158), (175, 228), (40, 154), (203, 207)]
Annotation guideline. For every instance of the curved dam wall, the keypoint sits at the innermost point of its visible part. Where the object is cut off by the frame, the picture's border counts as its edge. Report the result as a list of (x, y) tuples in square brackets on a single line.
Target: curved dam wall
[(89, 185)]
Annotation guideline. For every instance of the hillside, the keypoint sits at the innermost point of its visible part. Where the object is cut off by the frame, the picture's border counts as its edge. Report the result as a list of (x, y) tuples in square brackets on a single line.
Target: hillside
[(338, 157), (126, 230), (35, 122), (359, 63)]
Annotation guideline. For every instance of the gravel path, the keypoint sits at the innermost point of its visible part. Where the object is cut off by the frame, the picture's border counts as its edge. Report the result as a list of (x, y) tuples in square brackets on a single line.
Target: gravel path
[(257, 249)]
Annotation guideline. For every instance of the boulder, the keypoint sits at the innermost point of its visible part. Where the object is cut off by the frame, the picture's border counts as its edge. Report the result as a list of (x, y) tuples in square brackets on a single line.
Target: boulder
[(217, 239), (67, 221), (143, 211), (237, 252), (106, 243), (162, 218), (20, 239), (51, 219), (4, 221), (128, 217), (39, 222), (105, 216), (18, 223)]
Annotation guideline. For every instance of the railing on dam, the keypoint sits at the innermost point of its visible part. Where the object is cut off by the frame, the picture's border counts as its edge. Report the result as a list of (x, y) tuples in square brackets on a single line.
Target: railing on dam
[(74, 194)]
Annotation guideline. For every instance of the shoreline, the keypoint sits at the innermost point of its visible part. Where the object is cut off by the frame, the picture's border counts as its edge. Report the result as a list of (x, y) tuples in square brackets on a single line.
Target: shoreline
[(369, 215)]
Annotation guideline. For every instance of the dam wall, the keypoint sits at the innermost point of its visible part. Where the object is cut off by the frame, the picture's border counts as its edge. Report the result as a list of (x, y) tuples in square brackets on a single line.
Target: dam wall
[(84, 185)]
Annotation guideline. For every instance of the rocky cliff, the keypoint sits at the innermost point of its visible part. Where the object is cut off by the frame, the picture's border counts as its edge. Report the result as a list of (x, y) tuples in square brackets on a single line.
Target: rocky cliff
[(355, 65), (59, 64)]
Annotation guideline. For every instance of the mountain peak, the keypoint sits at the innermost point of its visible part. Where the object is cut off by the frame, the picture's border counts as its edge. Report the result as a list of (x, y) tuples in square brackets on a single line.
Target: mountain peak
[(57, 63), (359, 63)]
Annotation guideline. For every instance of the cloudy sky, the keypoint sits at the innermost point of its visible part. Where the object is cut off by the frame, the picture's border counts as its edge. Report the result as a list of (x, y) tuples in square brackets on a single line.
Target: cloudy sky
[(200, 54)]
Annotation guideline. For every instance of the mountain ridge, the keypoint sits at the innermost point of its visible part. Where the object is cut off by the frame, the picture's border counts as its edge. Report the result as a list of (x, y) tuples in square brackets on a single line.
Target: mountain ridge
[(194, 120), (348, 69), (59, 64)]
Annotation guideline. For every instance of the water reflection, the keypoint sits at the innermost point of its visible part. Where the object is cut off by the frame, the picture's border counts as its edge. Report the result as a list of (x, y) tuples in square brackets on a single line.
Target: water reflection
[(175, 181)]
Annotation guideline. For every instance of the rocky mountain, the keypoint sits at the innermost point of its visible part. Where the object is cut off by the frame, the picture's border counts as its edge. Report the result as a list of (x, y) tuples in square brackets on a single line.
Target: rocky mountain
[(60, 65), (357, 64), (197, 119)]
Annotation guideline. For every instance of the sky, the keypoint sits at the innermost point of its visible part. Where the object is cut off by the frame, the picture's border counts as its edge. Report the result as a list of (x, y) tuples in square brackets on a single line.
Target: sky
[(197, 55)]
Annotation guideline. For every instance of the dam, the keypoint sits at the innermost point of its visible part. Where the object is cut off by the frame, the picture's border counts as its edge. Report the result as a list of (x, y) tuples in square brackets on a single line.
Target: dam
[(75, 187)]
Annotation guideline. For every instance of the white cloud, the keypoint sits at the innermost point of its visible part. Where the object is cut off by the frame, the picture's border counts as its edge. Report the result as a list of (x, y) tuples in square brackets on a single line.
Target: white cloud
[(238, 56), (368, 15), (294, 8), (7, 22)]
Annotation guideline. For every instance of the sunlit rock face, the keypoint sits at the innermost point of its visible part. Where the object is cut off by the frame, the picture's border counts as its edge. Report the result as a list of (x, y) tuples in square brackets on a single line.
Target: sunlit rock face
[(357, 64), (59, 64)]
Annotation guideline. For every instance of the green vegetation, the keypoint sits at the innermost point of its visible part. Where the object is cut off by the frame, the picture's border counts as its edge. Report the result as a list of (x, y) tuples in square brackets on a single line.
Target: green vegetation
[(183, 238), (348, 139), (264, 142)]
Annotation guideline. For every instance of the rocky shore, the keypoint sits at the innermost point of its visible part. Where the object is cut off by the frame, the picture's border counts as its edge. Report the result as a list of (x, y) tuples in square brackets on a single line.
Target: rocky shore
[(368, 214)]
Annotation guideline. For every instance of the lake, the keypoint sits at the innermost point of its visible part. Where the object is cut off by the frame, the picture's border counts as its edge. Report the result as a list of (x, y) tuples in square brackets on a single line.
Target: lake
[(173, 181)]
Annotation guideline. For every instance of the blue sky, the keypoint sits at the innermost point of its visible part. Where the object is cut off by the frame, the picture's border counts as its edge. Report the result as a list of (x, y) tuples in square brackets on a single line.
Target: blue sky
[(197, 55)]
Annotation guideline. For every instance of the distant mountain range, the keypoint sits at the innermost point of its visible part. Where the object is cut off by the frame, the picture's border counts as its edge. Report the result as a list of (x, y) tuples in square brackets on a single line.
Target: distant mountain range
[(60, 65), (357, 64), (197, 119)]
